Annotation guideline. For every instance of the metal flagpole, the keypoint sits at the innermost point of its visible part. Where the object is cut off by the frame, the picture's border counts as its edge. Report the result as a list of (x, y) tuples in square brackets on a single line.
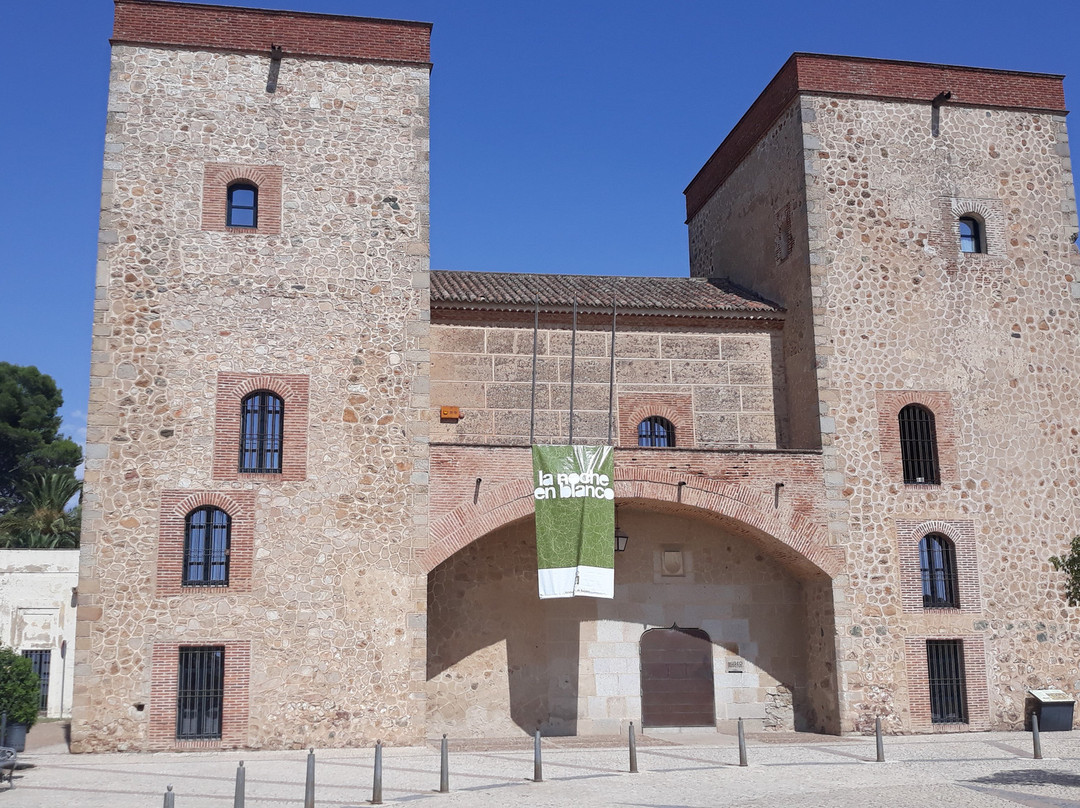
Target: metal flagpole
[(536, 331), (573, 354), (611, 376)]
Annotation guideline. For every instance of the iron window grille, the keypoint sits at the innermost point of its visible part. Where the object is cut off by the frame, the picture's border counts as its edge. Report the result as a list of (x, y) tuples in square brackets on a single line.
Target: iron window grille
[(918, 446), (262, 416), (200, 692), (971, 235), (655, 431), (40, 660), (937, 557), (206, 547), (948, 692), (243, 205)]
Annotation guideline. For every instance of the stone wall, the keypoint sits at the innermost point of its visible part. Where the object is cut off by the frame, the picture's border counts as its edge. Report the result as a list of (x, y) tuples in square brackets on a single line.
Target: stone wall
[(37, 613), (717, 383), (331, 610), (905, 314), (500, 661), (753, 231)]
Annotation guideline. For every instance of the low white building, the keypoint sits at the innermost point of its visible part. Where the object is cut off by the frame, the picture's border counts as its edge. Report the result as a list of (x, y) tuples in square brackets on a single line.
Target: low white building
[(37, 618)]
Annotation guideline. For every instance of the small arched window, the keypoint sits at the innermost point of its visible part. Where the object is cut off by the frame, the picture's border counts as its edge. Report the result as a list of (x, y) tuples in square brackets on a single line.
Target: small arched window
[(656, 431), (243, 207), (971, 235), (918, 446), (937, 557), (206, 547), (261, 421)]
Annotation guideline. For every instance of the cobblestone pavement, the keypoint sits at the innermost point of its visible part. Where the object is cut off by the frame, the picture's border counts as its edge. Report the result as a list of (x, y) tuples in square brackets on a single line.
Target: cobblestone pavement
[(983, 769)]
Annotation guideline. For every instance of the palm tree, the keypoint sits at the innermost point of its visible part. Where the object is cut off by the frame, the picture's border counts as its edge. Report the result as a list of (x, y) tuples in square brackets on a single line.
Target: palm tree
[(42, 521)]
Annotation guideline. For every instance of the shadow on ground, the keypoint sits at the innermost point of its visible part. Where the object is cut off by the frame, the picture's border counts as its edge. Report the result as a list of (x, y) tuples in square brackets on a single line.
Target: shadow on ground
[(1030, 777)]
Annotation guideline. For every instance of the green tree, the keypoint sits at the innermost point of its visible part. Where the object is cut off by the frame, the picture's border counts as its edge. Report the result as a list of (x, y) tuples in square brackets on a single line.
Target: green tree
[(1070, 565), (19, 689), (41, 521), (30, 441)]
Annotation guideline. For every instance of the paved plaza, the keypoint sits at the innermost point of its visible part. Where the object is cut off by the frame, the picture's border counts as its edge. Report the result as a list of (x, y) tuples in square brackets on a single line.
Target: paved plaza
[(678, 769)]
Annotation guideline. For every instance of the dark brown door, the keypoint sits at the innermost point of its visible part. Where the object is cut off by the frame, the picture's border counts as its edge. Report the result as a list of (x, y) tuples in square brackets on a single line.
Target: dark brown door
[(677, 678)]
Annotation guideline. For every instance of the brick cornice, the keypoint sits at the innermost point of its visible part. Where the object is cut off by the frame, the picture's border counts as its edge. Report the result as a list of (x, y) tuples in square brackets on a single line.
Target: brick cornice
[(881, 79), (255, 30)]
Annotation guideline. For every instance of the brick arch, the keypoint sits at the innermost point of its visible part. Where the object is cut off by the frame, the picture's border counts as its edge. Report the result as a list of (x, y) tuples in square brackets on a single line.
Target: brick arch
[(232, 389), (217, 177), (889, 404), (790, 538), (676, 408), (201, 498)]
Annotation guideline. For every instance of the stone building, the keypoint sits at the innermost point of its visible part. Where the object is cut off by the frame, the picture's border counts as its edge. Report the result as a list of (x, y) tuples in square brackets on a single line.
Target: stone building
[(845, 446)]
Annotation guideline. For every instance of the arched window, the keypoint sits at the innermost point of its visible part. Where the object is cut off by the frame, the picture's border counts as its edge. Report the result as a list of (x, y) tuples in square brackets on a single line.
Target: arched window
[(206, 547), (243, 207), (918, 445), (262, 414), (937, 557), (656, 431), (971, 235)]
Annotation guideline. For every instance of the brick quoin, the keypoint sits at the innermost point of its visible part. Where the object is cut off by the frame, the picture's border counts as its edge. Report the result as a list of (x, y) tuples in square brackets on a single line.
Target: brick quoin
[(885, 80), (151, 22), (231, 390), (217, 177), (676, 408), (164, 680), (975, 682), (175, 506)]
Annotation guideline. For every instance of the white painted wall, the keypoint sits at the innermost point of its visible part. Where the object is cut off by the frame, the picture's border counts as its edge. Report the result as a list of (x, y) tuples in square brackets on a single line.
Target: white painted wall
[(37, 612)]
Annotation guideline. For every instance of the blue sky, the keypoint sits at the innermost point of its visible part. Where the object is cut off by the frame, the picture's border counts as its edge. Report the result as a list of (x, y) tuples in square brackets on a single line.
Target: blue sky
[(563, 133)]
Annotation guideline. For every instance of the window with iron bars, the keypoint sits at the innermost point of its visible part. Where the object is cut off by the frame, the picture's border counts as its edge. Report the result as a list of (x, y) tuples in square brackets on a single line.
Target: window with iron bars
[(937, 557), (948, 692), (200, 692), (918, 446), (262, 415), (40, 660), (656, 431), (206, 547)]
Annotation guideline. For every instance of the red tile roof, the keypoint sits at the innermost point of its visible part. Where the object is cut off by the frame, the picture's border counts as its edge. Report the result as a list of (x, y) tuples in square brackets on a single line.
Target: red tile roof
[(643, 295)]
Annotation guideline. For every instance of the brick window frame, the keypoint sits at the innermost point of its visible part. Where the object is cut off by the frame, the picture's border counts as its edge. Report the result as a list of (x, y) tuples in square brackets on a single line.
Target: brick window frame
[(675, 407), (945, 235), (975, 682), (909, 532), (889, 404), (232, 389), (217, 177), (164, 675), (175, 506)]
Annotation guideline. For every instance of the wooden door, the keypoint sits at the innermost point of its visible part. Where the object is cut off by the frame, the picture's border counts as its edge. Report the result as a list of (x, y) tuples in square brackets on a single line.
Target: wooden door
[(677, 678)]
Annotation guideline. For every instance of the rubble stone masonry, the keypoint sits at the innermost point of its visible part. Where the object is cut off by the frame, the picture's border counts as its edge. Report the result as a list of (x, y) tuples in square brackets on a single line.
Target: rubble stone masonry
[(330, 304)]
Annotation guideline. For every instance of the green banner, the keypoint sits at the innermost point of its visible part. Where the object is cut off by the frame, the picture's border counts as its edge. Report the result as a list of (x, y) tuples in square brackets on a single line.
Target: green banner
[(574, 489)]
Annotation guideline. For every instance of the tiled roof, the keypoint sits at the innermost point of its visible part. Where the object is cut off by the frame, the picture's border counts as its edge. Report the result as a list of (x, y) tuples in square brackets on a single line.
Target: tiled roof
[(645, 295)]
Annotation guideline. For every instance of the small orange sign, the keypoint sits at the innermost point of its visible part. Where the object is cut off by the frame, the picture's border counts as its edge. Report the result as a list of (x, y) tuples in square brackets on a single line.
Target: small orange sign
[(449, 413)]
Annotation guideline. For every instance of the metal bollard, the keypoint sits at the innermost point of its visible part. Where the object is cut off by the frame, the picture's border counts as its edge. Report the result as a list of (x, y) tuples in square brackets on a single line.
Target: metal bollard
[(880, 742), (238, 795), (309, 786), (444, 767), (3, 729), (742, 745), (170, 798), (1035, 739), (633, 750), (376, 785), (538, 768)]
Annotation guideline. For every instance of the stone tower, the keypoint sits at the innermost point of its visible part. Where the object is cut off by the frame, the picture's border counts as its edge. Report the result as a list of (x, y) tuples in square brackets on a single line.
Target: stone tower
[(848, 194), (263, 245)]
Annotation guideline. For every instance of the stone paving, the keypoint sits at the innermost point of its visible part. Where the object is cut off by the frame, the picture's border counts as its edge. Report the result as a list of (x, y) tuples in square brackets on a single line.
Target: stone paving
[(972, 769)]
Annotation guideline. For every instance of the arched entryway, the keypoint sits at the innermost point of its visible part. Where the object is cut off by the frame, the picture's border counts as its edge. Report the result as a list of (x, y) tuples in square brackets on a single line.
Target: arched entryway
[(677, 688)]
